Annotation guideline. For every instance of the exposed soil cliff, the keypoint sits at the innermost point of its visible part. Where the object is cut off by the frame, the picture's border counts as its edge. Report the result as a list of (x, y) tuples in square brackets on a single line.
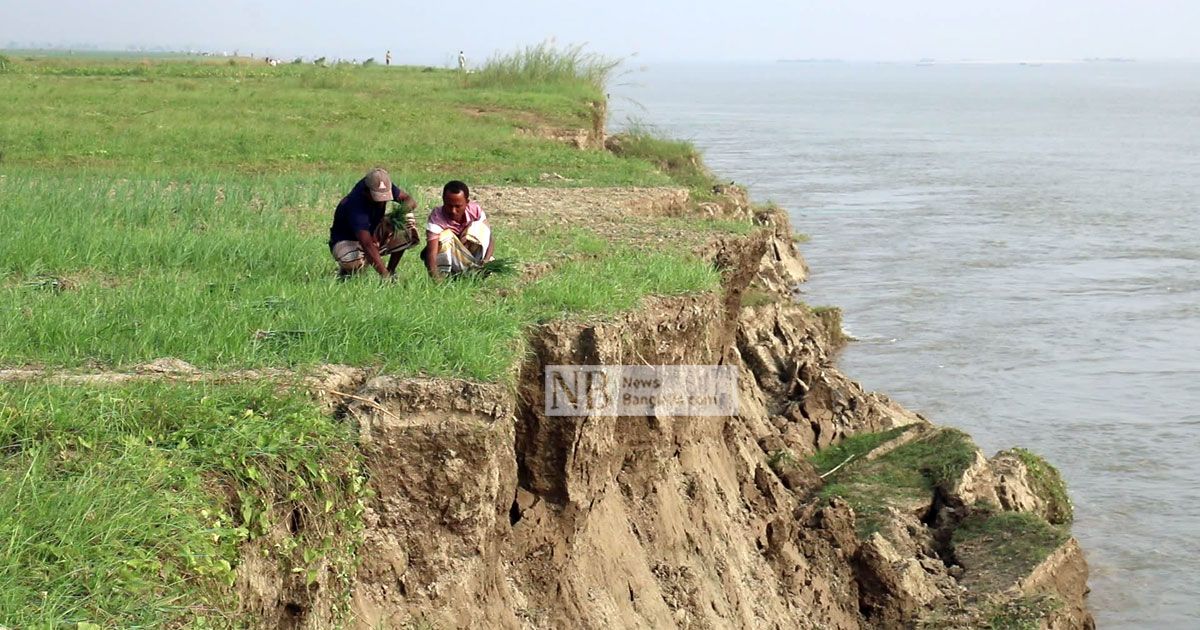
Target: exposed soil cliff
[(488, 513)]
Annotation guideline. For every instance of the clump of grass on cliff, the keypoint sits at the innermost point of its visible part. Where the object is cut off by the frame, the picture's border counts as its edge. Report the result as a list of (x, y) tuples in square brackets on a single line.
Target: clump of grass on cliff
[(125, 505), (904, 476), (679, 159), (709, 225), (547, 65), (996, 549), (1048, 484), (851, 448), (832, 323)]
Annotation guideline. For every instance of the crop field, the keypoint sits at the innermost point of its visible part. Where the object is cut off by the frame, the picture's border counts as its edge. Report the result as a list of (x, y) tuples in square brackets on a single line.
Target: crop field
[(179, 208)]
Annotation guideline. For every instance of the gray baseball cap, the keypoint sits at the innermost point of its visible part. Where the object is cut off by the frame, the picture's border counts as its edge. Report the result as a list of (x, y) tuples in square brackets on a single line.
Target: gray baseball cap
[(379, 183)]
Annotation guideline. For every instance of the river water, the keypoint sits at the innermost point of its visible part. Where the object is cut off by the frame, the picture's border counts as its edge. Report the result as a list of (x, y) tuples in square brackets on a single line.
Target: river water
[(1017, 249)]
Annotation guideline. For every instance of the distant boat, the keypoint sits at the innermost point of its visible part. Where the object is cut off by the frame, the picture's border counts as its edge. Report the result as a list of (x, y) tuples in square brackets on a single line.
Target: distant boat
[(926, 61)]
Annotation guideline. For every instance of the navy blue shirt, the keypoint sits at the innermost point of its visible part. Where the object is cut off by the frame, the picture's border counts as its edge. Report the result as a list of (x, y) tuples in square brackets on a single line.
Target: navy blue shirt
[(357, 211)]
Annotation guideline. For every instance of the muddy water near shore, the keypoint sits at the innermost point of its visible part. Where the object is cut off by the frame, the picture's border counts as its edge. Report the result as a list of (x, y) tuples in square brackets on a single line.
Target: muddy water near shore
[(1017, 249)]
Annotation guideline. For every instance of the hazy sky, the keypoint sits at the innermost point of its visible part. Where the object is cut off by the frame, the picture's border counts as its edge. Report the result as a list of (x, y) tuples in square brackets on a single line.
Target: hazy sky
[(432, 31)]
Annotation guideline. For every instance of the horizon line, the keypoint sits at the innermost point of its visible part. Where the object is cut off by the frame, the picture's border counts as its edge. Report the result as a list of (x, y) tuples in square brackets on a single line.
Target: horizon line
[(98, 49)]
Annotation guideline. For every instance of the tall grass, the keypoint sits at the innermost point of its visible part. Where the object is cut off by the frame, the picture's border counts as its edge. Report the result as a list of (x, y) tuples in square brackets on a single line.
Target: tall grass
[(546, 64), (124, 506), (679, 159), (235, 272)]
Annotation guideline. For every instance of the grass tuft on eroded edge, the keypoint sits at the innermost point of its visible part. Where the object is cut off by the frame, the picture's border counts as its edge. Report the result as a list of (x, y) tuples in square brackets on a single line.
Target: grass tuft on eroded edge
[(908, 474), (1048, 484), (998, 548), (546, 65)]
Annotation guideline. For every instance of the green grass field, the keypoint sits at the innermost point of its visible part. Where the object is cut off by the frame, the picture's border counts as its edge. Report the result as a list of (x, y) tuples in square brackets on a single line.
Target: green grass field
[(174, 118), (180, 209), (229, 272), (166, 208), (113, 498)]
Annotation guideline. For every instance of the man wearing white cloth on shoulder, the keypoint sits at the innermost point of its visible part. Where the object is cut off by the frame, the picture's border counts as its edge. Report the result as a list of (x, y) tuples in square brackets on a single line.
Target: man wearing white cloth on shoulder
[(458, 237)]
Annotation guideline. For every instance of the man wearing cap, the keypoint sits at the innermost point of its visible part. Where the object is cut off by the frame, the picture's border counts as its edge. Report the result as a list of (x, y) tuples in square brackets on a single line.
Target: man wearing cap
[(360, 235)]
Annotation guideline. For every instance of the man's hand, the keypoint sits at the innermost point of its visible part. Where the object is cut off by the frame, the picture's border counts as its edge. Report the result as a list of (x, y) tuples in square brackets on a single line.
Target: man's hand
[(410, 226), (406, 200), (371, 248)]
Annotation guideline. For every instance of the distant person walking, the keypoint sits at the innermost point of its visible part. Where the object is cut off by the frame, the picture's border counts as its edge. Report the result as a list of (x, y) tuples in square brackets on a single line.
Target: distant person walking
[(362, 235), (387, 58), (462, 61)]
